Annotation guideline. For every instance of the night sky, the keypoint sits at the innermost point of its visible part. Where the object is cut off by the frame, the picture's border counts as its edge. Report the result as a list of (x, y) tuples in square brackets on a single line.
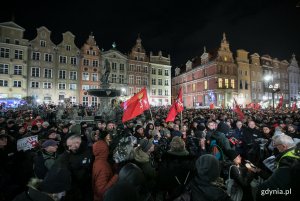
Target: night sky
[(180, 28)]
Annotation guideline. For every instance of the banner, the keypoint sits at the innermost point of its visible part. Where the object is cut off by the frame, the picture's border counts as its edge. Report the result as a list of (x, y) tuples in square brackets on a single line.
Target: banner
[(27, 143)]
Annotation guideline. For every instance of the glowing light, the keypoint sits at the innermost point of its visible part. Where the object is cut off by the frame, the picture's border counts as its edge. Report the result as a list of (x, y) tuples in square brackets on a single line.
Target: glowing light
[(268, 77)]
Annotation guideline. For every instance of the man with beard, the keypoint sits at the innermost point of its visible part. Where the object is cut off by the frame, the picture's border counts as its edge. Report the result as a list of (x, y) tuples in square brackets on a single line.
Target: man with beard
[(79, 159)]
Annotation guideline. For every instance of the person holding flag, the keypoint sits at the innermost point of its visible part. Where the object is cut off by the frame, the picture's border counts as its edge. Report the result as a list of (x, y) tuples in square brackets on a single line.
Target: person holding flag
[(238, 111), (136, 105), (176, 107)]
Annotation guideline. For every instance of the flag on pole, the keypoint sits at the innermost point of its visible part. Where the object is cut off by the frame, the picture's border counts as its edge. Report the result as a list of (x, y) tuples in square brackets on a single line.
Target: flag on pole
[(136, 105), (238, 111), (176, 107), (280, 102), (294, 106)]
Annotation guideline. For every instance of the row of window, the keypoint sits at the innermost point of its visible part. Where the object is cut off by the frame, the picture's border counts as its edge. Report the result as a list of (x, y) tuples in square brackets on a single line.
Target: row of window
[(114, 67), (49, 58), (5, 53), (138, 68), (16, 83), (226, 83), (48, 85), (160, 92), (4, 69), (139, 80), (160, 71), (87, 62), (159, 82), (17, 42)]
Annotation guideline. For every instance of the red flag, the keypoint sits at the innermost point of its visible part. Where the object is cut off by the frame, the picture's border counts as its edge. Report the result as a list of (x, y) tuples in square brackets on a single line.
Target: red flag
[(172, 113), (294, 106), (280, 102), (257, 106), (136, 105), (211, 106), (176, 107), (238, 110), (134, 98), (179, 101)]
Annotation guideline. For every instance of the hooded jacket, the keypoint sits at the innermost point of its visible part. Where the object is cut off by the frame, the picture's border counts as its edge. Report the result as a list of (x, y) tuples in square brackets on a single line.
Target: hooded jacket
[(203, 186), (102, 177)]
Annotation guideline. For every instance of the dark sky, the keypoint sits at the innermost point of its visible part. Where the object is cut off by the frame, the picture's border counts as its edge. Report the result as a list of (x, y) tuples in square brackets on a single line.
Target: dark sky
[(178, 27)]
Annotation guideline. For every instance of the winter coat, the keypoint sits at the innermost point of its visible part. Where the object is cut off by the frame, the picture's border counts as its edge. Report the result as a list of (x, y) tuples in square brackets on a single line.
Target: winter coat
[(175, 169), (102, 176), (142, 160), (203, 186)]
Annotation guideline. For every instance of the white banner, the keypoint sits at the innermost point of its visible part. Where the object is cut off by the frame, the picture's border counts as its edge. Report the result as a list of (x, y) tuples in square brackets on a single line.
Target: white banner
[(27, 143)]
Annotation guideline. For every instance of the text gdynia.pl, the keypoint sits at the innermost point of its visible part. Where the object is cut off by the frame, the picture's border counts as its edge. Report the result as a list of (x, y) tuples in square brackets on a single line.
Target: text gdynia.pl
[(276, 192)]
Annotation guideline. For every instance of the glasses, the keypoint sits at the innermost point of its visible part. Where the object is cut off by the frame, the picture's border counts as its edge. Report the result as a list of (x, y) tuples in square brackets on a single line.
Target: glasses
[(276, 145)]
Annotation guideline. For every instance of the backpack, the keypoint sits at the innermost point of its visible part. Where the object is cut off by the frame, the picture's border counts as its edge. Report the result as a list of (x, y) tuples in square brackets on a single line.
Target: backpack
[(233, 189), (185, 190), (216, 150)]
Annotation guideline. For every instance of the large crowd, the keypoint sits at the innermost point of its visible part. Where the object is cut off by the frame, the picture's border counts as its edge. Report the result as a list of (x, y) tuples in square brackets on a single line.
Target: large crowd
[(204, 155)]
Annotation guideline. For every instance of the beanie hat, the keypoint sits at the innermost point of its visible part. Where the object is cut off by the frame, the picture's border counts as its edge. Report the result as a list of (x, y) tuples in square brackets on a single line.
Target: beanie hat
[(49, 143), (231, 154), (45, 123), (138, 127), (103, 134), (177, 144), (145, 144)]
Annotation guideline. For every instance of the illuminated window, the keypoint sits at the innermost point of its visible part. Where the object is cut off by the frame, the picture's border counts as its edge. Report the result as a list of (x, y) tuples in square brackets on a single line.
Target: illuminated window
[(225, 58), (220, 82), (226, 83), (194, 87), (232, 84), (205, 84)]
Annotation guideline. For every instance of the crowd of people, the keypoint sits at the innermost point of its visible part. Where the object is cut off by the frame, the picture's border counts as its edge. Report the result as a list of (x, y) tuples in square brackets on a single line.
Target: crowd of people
[(204, 155)]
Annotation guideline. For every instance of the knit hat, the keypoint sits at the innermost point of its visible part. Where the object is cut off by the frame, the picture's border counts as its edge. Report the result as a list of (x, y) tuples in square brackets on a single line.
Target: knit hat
[(45, 123), (231, 154), (145, 144), (138, 127), (177, 145), (49, 143), (103, 134)]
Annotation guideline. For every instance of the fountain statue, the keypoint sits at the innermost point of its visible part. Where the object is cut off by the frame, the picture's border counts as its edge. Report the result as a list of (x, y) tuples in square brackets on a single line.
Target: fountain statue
[(107, 106)]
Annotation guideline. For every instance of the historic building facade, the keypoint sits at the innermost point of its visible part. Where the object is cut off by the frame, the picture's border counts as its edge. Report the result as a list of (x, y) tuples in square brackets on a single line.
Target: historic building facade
[(257, 80), (138, 68), (244, 83), (13, 61), (42, 63), (160, 79), (211, 78), (294, 80), (118, 63), (89, 71), (68, 57)]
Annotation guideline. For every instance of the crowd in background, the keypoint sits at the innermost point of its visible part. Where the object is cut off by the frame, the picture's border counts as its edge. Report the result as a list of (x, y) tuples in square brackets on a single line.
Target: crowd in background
[(147, 158)]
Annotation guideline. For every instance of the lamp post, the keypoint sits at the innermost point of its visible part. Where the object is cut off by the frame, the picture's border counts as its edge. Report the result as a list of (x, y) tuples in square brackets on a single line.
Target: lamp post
[(273, 87)]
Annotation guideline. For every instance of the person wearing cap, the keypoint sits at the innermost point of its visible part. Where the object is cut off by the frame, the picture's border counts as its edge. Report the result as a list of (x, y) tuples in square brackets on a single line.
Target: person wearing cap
[(139, 133), (142, 158), (204, 185), (45, 158), (293, 131), (286, 173)]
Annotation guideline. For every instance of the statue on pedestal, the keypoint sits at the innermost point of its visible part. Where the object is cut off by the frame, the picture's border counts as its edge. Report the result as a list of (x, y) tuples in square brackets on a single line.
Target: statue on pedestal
[(105, 76)]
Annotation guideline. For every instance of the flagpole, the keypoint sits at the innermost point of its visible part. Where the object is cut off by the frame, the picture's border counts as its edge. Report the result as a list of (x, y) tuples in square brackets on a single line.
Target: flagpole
[(151, 114), (181, 123)]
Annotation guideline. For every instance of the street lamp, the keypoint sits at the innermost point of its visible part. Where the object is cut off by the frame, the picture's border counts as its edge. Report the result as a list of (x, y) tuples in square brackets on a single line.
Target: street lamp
[(273, 87)]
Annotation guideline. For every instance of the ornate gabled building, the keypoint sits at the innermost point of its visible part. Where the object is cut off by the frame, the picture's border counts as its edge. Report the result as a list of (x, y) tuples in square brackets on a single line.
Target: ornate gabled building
[(244, 83), (68, 56), (138, 68), (90, 71), (294, 79), (160, 79), (118, 69), (210, 78), (13, 61), (42, 67), (256, 78)]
